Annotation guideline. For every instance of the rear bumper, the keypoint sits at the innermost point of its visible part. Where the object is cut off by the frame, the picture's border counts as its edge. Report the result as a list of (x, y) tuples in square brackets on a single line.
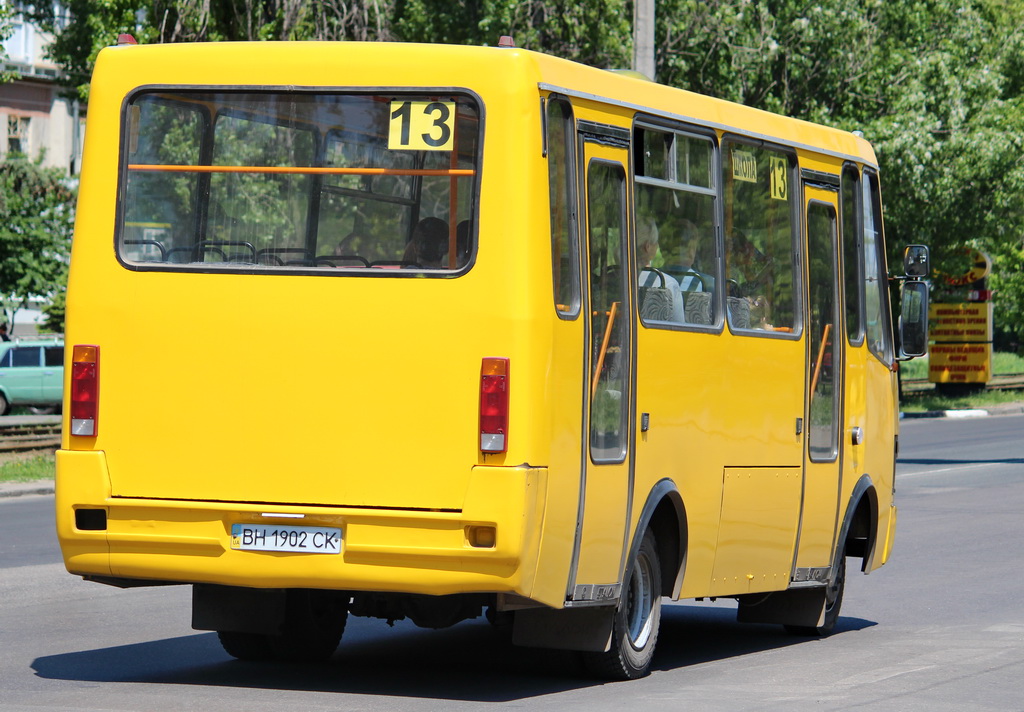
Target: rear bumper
[(405, 551)]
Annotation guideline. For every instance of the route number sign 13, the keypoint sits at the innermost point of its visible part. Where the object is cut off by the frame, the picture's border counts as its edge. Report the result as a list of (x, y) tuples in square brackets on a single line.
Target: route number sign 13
[(422, 126)]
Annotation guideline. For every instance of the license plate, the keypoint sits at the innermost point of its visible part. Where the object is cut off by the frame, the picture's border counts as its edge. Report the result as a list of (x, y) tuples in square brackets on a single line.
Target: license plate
[(273, 537)]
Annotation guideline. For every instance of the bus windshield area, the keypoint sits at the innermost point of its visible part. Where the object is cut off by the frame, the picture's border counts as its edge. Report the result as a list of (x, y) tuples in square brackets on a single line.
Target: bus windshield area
[(337, 183)]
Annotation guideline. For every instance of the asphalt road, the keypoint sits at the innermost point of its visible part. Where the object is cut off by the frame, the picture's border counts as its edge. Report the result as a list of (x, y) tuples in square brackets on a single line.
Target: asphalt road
[(941, 627)]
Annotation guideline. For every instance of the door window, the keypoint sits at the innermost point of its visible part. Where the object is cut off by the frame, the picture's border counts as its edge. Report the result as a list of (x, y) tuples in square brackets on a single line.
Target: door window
[(609, 333), (824, 322), (25, 356)]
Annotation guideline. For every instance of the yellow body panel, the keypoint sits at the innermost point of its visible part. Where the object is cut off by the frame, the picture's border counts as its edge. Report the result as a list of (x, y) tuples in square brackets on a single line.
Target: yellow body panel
[(760, 512), (354, 401)]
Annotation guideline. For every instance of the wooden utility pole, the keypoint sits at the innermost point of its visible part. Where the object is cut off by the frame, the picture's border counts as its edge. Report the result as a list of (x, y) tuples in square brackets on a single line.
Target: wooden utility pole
[(643, 38)]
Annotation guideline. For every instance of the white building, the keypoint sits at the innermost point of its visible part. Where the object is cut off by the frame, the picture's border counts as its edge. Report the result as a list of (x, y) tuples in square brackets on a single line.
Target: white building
[(36, 116)]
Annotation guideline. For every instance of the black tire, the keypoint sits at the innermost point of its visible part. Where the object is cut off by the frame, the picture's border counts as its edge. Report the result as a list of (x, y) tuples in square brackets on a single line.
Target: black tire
[(314, 623), (833, 602), (5, 407), (635, 629), (246, 646)]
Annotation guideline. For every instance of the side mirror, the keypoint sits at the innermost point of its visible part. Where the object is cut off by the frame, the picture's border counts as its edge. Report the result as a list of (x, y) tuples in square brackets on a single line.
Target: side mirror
[(914, 319), (916, 263)]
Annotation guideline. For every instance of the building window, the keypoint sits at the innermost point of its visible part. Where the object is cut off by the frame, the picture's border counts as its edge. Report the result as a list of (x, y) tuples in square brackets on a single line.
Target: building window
[(17, 134)]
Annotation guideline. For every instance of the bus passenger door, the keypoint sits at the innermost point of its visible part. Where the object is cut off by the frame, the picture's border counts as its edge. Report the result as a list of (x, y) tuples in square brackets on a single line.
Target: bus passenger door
[(823, 450), (605, 495)]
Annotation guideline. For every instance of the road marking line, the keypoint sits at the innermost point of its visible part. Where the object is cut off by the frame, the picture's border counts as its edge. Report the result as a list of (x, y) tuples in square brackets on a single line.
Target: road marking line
[(901, 475)]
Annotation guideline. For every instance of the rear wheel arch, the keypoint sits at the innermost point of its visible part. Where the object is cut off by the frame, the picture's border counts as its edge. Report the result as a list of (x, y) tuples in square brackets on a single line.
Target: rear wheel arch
[(665, 515)]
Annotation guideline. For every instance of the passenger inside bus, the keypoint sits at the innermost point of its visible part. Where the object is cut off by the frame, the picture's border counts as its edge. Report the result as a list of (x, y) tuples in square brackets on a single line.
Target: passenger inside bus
[(684, 260), (747, 283), (429, 244)]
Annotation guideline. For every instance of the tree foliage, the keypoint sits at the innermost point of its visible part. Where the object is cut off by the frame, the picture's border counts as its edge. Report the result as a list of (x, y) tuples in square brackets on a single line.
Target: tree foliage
[(937, 86), (36, 222)]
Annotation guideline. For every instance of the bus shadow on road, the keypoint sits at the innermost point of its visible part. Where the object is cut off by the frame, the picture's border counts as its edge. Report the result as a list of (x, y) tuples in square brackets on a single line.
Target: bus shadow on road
[(697, 633), (469, 662)]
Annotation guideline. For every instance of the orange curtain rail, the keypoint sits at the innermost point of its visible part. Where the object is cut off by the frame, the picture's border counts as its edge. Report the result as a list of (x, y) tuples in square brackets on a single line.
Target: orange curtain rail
[(455, 172)]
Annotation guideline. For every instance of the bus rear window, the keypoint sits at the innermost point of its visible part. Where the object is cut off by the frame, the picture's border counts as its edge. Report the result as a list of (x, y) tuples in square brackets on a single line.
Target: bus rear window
[(337, 183)]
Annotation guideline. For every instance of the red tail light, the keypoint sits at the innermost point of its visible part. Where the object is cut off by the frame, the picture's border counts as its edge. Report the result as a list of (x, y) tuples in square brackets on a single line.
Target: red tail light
[(85, 392), (494, 405)]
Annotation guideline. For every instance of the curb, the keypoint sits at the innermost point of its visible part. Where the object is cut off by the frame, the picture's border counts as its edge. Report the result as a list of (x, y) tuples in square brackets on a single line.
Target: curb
[(20, 489), (945, 414), (1009, 409)]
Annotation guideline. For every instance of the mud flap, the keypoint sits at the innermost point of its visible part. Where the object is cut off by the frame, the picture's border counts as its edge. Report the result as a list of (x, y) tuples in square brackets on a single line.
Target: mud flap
[(588, 629), (796, 607), (238, 610)]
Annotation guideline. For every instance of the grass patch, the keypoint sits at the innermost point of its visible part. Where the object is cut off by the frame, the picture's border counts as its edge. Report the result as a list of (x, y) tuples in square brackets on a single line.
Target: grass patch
[(39, 467), (918, 401)]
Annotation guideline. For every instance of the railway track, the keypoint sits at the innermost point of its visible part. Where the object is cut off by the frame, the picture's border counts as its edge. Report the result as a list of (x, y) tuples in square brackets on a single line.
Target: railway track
[(28, 433)]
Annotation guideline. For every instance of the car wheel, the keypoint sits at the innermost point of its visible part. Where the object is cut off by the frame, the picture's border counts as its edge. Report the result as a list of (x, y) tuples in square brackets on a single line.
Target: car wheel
[(44, 409)]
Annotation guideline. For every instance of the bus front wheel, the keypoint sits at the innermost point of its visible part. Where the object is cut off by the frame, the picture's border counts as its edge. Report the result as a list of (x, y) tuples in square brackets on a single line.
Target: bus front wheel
[(637, 617)]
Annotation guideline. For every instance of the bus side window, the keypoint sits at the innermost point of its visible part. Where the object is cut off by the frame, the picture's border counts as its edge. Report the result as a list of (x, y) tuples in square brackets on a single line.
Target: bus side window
[(561, 147), (853, 253), (876, 295), (760, 288), (675, 191)]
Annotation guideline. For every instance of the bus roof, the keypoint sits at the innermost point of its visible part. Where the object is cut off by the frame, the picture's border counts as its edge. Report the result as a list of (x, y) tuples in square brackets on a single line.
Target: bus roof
[(384, 64)]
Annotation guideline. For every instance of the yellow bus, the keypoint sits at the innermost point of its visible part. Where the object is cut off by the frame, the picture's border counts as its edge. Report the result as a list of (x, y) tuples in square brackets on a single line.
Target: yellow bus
[(432, 332)]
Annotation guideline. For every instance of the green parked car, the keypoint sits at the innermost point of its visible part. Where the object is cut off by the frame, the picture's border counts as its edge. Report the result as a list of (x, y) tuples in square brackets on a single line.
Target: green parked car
[(32, 373)]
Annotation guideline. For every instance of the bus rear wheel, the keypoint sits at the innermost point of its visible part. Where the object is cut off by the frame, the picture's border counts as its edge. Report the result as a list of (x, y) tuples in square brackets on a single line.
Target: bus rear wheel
[(637, 617), (245, 646), (314, 624)]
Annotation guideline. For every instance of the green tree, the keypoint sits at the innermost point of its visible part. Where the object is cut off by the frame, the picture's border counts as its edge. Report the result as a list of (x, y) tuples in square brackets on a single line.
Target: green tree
[(36, 222), (595, 32), (937, 86), (54, 310), (96, 24)]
